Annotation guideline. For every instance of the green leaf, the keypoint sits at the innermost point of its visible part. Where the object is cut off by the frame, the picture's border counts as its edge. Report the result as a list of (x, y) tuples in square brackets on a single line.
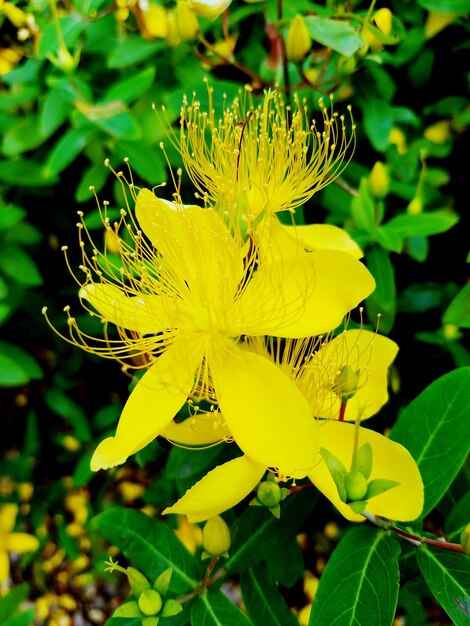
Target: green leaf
[(359, 585), (286, 562), (422, 224), (335, 34), (22, 359), (121, 125), (10, 215), (459, 516), (257, 532), (71, 412), (94, 176), (131, 88), (67, 149), (146, 160), (19, 266), (23, 619), (383, 300), (10, 603), (54, 112), (25, 173), (131, 50), (215, 609), (377, 121), (262, 599), (447, 575), (436, 430), (446, 6), (363, 208), (458, 311), (23, 136), (151, 546)]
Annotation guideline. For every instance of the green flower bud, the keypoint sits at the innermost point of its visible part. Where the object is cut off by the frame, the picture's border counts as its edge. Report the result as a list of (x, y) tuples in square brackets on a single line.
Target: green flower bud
[(150, 602), (465, 539), (379, 180), (356, 485), (216, 538), (346, 383), (269, 493)]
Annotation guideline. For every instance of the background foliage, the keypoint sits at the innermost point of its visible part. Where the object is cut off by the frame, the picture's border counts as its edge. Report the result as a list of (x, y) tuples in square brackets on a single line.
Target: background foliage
[(78, 80)]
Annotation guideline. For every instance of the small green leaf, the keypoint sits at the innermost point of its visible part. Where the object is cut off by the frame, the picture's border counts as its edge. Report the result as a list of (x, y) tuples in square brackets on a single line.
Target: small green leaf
[(447, 575), (215, 609), (383, 300), (459, 7), (436, 430), (458, 311), (131, 88), (94, 176), (23, 359), (151, 546), (131, 50), (67, 149), (359, 585), (378, 486), (335, 34), (377, 121), (10, 215), (146, 160), (22, 619), (10, 602), (171, 607), (23, 136), (422, 224), (61, 404), (364, 459), (19, 266), (363, 208), (25, 173), (128, 609), (262, 599), (459, 517), (54, 111), (162, 582)]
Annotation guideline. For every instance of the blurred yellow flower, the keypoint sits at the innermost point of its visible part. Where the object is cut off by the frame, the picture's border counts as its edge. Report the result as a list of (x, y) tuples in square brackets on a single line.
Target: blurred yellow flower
[(208, 8), (11, 541), (298, 40)]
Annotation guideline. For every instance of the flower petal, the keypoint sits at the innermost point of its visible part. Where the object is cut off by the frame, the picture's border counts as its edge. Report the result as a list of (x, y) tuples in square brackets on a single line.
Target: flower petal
[(143, 314), (390, 461), (4, 566), (198, 430), (303, 296), (195, 244), (266, 414), (362, 350), (8, 513), (219, 490), (21, 542), (154, 402)]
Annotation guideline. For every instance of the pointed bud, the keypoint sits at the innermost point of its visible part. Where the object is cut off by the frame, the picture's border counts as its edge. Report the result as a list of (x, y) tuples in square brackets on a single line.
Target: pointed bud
[(465, 539), (269, 493), (186, 21), (356, 486), (216, 538), (150, 602), (383, 18), (379, 180), (298, 41)]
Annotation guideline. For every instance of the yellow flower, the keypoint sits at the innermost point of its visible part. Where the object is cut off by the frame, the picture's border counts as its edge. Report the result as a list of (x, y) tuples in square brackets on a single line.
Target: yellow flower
[(10, 541), (179, 297), (258, 160), (298, 40), (186, 21), (208, 8), (8, 59), (229, 483)]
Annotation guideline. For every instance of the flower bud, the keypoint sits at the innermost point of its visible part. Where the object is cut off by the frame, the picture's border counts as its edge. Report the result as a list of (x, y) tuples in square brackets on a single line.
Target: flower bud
[(379, 180), (346, 383), (150, 602), (437, 21), (465, 539), (383, 19), (216, 538), (269, 493), (356, 485), (298, 39), (208, 8), (186, 21), (155, 22), (439, 132)]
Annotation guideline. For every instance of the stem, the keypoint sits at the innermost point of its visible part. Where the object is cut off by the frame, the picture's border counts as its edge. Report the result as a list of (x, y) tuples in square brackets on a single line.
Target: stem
[(342, 410), (205, 580), (55, 19), (356, 444), (257, 81), (346, 187), (285, 62), (299, 487), (412, 538)]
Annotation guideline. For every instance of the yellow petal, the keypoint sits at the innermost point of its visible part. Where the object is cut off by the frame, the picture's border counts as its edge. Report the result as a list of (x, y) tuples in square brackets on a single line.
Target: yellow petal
[(21, 542), (8, 513), (198, 430), (266, 414), (4, 566), (219, 490), (391, 461), (143, 314), (362, 350), (195, 245), (154, 402), (303, 296)]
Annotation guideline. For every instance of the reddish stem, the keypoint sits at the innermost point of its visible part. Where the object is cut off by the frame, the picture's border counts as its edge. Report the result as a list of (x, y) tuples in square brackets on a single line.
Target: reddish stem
[(205, 581), (342, 411)]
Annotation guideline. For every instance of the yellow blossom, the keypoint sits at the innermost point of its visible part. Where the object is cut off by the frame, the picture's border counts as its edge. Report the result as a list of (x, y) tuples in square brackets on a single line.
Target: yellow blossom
[(186, 288), (437, 21), (298, 40), (8, 59), (11, 541), (260, 159), (186, 21), (439, 132), (208, 8), (398, 138), (154, 22)]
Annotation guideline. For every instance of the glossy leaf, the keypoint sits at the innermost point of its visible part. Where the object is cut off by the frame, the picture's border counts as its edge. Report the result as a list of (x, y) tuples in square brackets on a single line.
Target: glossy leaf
[(446, 6), (70, 411), (335, 34), (422, 224), (67, 149), (436, 430), (262, 599), (215, 609), (359, 585), (10, 602), (19, 266), (383, 300), (458, 311), (378, 121), (447, 575), (459, 517), (131, 87), (151, 546), (131, 50)]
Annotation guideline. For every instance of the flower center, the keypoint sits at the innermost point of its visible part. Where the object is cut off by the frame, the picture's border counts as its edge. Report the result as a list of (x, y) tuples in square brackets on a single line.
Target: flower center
[(202, 319)]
